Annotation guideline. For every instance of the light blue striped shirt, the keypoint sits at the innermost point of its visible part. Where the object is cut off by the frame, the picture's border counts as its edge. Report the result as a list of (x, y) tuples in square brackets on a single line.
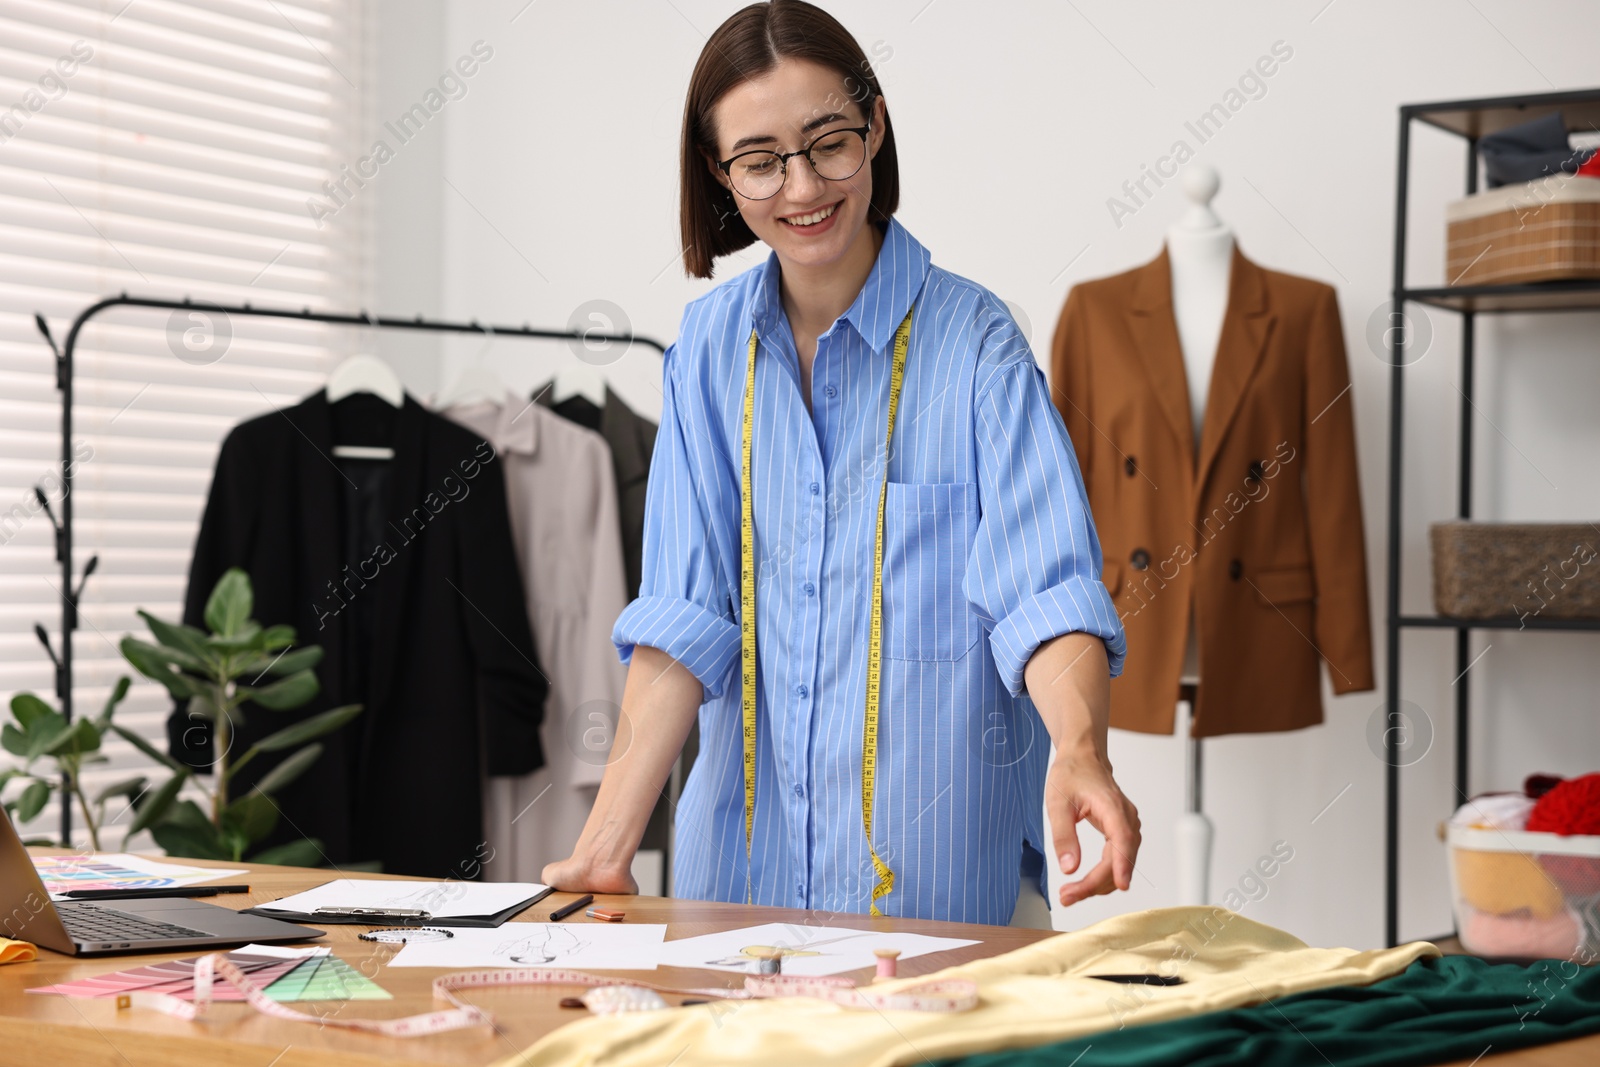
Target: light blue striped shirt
[(989, 551)]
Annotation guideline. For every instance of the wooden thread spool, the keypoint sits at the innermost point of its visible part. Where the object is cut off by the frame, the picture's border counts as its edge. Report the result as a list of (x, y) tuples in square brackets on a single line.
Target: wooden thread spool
[(887, 963)]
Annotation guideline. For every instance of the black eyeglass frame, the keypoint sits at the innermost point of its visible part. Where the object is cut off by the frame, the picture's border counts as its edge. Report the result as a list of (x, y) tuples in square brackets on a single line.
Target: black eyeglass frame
[(862, 132)]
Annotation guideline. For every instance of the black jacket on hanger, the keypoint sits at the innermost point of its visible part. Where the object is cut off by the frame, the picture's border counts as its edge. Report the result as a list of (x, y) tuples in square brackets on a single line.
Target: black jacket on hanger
[(405, 573), (632, 438)]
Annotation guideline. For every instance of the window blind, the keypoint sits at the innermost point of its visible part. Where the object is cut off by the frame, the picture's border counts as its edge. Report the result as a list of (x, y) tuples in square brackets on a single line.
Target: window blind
[(165, 148)]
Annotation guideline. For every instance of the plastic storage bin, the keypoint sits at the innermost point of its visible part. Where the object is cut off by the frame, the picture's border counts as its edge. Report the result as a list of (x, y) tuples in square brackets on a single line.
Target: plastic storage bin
[(1524, 894)]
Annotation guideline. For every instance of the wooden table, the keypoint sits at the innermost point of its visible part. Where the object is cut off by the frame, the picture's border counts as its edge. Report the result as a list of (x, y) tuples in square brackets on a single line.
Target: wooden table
[(50, 1031)]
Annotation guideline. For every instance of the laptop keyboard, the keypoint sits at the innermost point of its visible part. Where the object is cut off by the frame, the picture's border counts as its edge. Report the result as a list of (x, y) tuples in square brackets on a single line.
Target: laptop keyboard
[(93, 923)]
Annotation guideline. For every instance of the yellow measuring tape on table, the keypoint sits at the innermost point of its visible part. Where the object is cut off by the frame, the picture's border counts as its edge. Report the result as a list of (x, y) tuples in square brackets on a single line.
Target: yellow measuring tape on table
[(747, 618)]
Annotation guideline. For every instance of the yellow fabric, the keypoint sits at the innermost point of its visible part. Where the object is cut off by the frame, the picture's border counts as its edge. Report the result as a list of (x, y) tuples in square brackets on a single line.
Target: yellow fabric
[(1501, 883), (16, 951), (1028, 997)]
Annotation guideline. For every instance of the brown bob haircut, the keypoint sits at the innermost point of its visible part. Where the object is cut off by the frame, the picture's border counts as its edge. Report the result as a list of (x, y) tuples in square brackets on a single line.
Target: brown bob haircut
[(749, 45)]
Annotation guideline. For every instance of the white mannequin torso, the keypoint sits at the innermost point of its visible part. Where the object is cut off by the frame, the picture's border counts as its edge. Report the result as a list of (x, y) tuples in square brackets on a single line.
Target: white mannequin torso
[(1200, 258)]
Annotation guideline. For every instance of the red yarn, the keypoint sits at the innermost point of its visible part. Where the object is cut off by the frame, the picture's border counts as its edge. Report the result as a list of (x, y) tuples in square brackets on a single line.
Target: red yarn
[(1537, 785), (1572, 807)]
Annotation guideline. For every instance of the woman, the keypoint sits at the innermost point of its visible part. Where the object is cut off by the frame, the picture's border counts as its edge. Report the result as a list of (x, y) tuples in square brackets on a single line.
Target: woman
[(876, 691)]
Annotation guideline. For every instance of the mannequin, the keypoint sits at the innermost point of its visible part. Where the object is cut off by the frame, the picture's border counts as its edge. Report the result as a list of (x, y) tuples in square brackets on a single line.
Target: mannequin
[(1200, 252)]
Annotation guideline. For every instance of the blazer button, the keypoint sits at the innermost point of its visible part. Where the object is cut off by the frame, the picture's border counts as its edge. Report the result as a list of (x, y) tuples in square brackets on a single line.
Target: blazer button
[(1235, 570), (1140, 559), (1131, 466)]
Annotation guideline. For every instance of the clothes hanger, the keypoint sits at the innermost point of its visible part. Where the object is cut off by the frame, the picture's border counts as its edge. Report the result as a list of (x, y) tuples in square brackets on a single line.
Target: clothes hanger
[(576, 378), (477, 383), (364, 373)]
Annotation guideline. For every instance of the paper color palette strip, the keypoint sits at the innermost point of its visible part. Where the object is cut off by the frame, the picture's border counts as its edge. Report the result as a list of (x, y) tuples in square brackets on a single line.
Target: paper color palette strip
[(120, 870), (177, 976)]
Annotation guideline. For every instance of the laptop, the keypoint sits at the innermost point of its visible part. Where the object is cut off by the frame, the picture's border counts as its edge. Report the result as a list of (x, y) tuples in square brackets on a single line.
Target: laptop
[(107, 927)]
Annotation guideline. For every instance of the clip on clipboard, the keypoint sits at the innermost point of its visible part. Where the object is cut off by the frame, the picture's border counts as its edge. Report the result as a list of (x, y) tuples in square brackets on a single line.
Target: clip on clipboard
[(394, 902)]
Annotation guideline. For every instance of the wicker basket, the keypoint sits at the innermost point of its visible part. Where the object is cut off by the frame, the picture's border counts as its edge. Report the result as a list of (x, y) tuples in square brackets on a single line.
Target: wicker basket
[(1516, 570), (1539, 231)]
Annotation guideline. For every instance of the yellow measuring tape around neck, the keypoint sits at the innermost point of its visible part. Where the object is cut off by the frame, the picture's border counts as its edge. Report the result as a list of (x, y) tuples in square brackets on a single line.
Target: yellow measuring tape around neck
[(747, 619)]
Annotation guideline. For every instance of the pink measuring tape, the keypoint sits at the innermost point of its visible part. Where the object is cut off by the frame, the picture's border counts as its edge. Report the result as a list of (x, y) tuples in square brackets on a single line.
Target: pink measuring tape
[(941, 996)]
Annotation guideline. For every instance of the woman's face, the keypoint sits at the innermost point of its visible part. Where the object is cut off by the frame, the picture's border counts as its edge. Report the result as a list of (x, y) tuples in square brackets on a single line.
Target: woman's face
[(793, 105)]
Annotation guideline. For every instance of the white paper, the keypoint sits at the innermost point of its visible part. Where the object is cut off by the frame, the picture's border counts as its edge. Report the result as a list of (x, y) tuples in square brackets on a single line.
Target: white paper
[(441, 900), (119, 870), (281, 952), (606, 946), (807, 950)]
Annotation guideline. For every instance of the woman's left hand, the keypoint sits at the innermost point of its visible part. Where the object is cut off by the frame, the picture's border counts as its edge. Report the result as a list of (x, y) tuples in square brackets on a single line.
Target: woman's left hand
[(1079, 786)]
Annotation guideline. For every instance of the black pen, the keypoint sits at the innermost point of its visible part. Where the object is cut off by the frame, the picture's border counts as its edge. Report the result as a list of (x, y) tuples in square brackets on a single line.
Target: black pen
[(147, 894), (561, 913)]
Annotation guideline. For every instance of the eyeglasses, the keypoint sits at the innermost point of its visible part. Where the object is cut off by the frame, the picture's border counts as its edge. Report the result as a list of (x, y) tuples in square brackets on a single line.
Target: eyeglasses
[(836, 155)]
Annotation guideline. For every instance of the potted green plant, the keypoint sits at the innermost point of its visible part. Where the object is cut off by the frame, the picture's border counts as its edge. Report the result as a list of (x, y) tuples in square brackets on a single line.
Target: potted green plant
[(40, 732), (219, 674)]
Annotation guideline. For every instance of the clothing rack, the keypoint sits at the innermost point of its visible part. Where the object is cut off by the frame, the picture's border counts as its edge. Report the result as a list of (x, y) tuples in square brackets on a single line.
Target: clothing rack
[(64, 381)]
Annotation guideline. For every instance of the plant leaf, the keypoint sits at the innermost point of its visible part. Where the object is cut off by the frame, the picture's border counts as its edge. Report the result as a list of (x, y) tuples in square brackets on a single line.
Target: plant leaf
[(248, 638), (33, 800), (175, 635), (285, 693), (230, 603), (153, 662), (191, 842), (308, 729), (118, 693), (128, 787), (13, 740), (276, 637), (29, 709), (80, 738), (156, 805), (47, 736), (290, 769), (301, 659), (252, 816), (306, 852), (150, 750)]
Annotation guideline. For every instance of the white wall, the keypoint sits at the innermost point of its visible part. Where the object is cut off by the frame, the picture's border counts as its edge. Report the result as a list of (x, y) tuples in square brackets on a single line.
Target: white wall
[(552, 182)]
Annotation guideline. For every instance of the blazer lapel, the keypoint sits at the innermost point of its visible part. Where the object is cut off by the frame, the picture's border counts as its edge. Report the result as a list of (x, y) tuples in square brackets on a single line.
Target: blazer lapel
[(1155, 337), (1245, 328)]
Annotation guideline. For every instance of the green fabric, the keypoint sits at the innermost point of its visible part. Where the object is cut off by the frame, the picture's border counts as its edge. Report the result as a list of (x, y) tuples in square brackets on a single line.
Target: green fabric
[(1454, 1007)]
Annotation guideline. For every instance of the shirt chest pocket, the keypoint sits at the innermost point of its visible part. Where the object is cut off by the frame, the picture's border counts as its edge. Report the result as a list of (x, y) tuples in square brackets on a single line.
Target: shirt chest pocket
[(928, 530)]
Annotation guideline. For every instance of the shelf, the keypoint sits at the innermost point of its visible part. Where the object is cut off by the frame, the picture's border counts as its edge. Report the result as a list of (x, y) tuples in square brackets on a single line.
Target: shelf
[(1542, 296), (1475, 118), (1534, 622)]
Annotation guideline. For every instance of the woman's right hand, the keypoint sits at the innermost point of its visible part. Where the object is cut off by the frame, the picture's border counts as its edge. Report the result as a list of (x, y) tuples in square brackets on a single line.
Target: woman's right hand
[(576, 875)]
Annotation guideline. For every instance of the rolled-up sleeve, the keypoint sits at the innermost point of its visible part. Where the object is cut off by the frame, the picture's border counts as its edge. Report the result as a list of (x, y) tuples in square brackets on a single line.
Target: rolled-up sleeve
[(684, 607), (1034, 571)]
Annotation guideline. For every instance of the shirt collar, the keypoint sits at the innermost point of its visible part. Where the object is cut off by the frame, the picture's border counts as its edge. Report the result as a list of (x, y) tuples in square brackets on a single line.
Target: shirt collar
[(510, 424), (890, 288)]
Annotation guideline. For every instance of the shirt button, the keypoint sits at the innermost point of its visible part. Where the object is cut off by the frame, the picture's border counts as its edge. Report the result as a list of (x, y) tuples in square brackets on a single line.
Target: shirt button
[(830, 392), (802, 692), (815, 488), (800, 791), (810, 589)]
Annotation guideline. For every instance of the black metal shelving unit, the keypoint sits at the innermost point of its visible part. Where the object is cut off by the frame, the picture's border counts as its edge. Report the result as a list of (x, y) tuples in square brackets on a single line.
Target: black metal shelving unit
[(1469, 120)]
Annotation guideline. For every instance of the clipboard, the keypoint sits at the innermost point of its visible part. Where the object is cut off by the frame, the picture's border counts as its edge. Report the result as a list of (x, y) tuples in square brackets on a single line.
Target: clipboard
[(387, 902)]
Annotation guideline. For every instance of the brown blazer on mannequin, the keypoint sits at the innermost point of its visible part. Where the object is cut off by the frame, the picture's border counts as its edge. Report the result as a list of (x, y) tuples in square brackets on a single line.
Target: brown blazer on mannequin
[(1260, 533)]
